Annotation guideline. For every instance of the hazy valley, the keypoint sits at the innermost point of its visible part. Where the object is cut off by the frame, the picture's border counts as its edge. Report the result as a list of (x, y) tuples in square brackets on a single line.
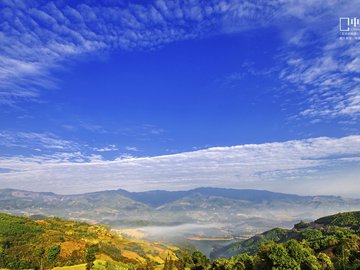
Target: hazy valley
[(203, 217)]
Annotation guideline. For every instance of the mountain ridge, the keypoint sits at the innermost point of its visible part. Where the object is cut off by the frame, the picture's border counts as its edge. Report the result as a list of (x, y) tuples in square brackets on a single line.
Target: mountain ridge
[(156, 198)]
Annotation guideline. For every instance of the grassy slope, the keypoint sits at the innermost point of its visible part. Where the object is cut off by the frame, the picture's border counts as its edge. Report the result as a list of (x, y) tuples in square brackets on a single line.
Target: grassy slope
[(21, 238)]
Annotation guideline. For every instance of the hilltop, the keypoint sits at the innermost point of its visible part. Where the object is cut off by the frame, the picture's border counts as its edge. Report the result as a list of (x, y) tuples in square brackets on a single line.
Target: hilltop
[(46, 243)]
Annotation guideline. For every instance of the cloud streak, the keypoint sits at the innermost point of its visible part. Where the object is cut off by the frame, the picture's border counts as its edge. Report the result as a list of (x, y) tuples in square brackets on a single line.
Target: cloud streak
[(249, 165), (36, 141)]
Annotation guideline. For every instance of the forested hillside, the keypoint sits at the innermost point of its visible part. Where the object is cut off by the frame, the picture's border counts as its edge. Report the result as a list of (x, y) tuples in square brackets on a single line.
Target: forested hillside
[(331, 242)]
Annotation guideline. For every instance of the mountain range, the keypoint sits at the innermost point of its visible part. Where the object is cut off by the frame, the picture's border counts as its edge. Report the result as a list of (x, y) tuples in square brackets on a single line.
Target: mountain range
[(216, 211)]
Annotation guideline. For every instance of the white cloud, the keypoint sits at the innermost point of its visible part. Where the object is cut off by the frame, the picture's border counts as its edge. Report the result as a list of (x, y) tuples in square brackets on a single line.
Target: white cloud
[(251, 165), (131, 148), (109, 148)]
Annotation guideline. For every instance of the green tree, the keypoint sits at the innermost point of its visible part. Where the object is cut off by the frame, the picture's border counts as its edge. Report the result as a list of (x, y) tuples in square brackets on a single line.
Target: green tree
[(222, 264), (148, 266), (247, 260), (274, 256), (325, 262), (302, 255), (40, 254), (169, 263), (342, 257), (301, 225), (52, 254), (90, 256), (314, 237), (199, 261)]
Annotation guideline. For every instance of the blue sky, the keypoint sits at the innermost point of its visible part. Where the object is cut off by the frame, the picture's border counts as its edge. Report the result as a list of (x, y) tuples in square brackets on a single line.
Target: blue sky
[(179, 94)]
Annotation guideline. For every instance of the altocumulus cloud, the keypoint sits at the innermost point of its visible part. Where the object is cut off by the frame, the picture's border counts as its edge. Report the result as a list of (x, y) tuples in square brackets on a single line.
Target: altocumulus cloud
[(37, 37), (287, 164)]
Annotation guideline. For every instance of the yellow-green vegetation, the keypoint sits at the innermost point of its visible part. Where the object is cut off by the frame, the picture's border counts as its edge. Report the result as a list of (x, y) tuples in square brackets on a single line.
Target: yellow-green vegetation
[(72, 267), (52, 242)]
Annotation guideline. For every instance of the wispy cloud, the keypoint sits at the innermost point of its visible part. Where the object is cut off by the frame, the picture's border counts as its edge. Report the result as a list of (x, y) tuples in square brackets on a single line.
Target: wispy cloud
[(36, 141), (251, 165), (323, 70), (142, 131), (328, 81), (37, 37)]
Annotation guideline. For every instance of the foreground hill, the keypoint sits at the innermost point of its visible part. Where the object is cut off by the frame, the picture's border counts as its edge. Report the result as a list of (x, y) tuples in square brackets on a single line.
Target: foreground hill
[(46, 243), (330, 235), (328, 243)]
